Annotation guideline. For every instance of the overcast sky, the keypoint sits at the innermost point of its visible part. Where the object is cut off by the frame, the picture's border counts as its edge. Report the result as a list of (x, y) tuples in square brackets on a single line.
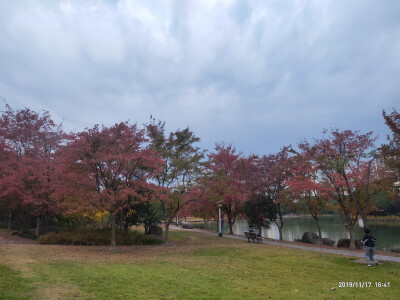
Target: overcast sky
[(257, 74)]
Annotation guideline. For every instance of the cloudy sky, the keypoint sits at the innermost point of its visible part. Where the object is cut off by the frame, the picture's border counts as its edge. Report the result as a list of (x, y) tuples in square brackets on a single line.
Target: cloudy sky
[(257, 74)]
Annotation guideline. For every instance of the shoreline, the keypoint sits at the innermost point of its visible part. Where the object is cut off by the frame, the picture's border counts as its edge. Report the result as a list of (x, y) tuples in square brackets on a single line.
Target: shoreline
[(360, 253)]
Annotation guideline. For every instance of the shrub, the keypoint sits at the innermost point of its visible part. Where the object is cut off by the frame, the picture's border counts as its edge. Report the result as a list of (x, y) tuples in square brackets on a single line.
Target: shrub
[(97, 237), (27, 234)]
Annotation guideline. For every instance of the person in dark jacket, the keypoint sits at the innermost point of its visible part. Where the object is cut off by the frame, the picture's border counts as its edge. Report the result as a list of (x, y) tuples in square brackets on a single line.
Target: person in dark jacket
[(369, 242), (251, 229)]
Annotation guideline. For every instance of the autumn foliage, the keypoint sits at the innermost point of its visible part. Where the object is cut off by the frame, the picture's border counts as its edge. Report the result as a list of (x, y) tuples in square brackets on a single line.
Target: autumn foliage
[(227, 184), (29, 141), (110, 166), (115, 171)]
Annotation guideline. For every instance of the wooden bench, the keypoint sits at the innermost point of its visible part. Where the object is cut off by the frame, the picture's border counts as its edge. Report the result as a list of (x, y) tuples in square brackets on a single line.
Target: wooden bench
[(253, 236)]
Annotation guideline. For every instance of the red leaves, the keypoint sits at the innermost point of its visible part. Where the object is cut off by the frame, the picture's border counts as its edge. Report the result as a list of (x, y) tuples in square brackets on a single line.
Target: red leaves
[(29, 140), (391, 150), (113, 163), (345, 155), (228, 180), (272, 173), (340, 166)]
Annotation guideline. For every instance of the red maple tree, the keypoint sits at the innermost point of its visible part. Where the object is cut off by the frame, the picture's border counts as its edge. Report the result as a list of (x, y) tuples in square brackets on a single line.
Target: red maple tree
[(391, 150), (307, 184), (271, 180), (204, 209), (108, 166), (345, 160), (227, 183), (31, 139)]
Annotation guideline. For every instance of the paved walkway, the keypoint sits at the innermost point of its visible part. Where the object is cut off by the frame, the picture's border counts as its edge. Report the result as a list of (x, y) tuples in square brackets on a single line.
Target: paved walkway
[(360, 254)]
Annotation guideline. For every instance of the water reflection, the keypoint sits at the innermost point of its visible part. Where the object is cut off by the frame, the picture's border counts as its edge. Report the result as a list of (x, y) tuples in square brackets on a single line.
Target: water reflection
[(387, 234)]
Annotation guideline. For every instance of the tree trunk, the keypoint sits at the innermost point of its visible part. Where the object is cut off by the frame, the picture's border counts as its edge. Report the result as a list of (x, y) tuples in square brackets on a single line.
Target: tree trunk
[(21, 219), (279, 229), (320, 242), (365, 221), (166, 230), (28, 221), (113, 243), (368, 195), (121, 222), (352, 243), (37, 232), (280, 233), (46, 221), (230, 225), (9, 220), (280, 221)]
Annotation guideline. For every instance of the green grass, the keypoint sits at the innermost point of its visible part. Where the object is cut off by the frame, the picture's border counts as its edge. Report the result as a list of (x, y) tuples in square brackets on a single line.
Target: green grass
[(14, 286), (203, 267)]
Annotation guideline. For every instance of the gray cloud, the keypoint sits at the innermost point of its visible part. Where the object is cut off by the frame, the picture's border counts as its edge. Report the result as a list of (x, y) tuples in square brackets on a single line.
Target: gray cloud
[(258, 74)]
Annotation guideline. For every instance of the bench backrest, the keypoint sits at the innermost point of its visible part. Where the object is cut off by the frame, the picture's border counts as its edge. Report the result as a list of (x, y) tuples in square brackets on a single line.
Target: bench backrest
[(251, 235)]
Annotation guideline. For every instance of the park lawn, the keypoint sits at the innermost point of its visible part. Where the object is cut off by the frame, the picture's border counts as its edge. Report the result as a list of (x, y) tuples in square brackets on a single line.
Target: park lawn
[(194, 266), (13, 285)]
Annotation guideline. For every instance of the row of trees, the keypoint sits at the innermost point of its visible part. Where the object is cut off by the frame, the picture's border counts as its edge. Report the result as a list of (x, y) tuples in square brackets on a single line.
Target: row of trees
[(124, 170), (342, 171), (45, 172)]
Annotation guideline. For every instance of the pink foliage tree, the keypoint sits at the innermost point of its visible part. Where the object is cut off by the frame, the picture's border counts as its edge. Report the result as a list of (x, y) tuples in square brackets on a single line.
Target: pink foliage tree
[(345, 158), (109, 166), (307, 185), (227, 181), (31, 140), (272, 176), (204, 209)]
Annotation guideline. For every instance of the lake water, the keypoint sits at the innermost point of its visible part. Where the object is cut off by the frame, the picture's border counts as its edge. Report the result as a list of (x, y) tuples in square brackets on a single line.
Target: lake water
[(387, 234)]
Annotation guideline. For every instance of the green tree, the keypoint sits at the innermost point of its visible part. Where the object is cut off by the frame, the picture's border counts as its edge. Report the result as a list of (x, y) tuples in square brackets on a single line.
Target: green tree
[(182, 166), (144, 213), (260, 211)]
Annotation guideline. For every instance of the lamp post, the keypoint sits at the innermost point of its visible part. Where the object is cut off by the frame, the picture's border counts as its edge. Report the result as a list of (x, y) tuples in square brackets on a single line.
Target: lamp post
[(220, 231)]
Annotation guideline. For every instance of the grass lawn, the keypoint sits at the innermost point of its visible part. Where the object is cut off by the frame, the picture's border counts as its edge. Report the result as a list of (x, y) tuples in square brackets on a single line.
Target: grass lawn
[(193, 266)]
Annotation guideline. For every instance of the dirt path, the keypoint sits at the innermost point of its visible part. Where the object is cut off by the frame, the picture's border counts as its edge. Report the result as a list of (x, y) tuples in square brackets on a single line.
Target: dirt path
[(7, 237), (330, 250)]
